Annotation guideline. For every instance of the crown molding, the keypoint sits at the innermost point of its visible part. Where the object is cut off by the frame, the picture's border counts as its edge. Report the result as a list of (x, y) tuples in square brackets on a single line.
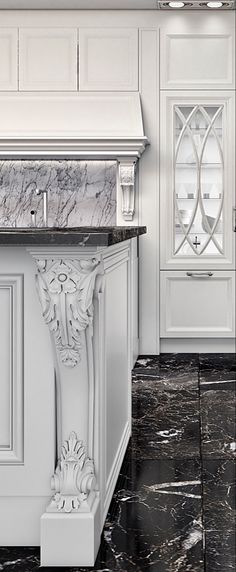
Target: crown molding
[(85, 147)]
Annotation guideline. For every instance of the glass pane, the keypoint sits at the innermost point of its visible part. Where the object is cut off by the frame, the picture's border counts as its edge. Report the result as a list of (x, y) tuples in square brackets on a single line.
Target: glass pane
[(198, 180)]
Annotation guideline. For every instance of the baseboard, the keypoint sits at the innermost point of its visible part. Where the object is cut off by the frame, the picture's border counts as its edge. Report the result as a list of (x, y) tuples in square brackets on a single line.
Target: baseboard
[(198, 345), (115, 470), (135, 351), (20, 520)]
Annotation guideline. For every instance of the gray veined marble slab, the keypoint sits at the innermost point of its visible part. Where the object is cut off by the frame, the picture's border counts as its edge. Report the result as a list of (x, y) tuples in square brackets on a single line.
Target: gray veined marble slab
[(80, 193)]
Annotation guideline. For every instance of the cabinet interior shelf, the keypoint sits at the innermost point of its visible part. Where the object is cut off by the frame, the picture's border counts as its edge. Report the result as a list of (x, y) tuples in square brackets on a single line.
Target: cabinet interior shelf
[(199, 130), (194, 199), (196, 233), (203, 165)]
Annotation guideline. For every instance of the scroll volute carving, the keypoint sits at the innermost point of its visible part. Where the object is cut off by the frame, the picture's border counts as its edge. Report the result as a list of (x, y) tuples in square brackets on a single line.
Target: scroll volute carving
[(127, 184)]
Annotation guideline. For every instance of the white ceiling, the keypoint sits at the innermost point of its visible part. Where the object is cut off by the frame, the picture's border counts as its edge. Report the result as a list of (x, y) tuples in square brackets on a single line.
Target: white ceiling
[(77, 4)]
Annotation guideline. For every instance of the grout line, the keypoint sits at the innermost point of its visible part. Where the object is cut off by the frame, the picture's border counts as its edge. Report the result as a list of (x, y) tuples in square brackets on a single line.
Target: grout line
[(201, 469)]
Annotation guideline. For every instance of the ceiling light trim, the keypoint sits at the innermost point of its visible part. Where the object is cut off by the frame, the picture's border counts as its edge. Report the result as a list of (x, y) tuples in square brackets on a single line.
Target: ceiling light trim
[(196, 5)]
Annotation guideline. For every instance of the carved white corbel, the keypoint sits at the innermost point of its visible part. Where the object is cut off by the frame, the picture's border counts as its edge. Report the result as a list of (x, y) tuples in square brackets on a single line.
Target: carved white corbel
[(74, 479), (65, 289), (127, 169)]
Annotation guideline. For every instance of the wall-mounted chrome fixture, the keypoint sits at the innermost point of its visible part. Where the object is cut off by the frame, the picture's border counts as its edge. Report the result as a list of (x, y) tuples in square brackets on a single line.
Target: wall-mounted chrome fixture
[(196, 5), (45, 205)]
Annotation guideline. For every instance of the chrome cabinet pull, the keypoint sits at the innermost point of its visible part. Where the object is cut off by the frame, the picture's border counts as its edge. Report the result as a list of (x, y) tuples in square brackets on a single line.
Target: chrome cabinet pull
[(234, 219), (199, 274)]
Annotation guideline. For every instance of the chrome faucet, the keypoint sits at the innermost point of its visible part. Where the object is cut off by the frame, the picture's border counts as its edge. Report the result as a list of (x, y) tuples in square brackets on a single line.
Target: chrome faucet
[(45, 205)]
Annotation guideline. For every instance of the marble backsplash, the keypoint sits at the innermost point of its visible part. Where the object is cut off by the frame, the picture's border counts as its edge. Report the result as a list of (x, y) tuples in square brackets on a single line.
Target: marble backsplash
[(80, 193)]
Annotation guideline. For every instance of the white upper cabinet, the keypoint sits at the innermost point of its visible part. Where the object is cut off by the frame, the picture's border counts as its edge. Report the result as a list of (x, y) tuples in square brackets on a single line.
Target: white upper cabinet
[(108, 59), (197, 60), (8, 59), (197, 166), (48, 59)]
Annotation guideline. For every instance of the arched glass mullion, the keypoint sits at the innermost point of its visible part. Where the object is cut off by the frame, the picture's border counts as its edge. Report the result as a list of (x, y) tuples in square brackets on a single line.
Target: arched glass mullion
[(188, 129), (219, 111), (185, 125), (211, 230)]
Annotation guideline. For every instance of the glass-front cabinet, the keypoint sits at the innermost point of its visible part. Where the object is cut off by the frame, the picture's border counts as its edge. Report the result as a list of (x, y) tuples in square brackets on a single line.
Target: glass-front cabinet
[(197, 242), (197, 180)]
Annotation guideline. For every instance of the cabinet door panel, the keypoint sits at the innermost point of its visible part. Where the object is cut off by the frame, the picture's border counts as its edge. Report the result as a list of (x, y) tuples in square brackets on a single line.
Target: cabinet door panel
[(197, 61), (8, 59), (108, 59), (48, 59), (11, 360), (196, 304)]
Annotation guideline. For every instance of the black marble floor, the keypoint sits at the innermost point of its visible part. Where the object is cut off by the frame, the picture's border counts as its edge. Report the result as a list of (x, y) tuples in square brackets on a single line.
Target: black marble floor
[(174, 505)]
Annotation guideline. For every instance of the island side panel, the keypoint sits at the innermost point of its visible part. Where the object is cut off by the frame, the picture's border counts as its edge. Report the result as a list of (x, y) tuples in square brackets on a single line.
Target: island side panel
[(117, 425), (27, 439)]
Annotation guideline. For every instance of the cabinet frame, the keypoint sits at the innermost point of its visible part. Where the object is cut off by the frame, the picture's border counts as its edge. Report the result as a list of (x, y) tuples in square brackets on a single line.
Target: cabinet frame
[(168, 101)]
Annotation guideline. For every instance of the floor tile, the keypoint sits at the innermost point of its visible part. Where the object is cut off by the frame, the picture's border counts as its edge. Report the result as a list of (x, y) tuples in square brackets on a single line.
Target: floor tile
[(220, 551), (218, 415), (164, 388), (166, 421), (219, 494), (19, 558), (168, 366), (216, 367), (155, 519)]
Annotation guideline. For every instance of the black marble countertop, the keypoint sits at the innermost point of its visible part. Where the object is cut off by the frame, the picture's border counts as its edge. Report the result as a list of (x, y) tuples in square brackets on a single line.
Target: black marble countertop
[(73, 236)]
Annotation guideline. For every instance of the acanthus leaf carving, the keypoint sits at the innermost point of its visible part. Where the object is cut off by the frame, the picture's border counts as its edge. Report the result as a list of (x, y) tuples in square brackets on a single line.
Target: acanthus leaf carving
[(74, 478), (65, 289), (127, 183)]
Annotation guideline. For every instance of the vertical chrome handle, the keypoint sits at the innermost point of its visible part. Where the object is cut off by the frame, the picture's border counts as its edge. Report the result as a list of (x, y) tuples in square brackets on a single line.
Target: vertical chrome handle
[(234, 219), (45, 205)]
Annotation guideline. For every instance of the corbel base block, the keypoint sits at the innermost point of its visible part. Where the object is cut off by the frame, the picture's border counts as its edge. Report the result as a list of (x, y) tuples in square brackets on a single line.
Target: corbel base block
[(71, 539)]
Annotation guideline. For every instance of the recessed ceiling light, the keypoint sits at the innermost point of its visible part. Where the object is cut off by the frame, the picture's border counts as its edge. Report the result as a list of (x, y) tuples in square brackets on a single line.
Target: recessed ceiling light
[(214, 4), (176, 4), (196, 4)]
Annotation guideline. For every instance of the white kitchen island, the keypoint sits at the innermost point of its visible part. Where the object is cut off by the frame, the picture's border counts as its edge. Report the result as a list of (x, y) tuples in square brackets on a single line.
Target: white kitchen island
[(68, 343)]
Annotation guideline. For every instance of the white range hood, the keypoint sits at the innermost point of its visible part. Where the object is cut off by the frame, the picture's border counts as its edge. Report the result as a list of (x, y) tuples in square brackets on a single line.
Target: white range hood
[(91, 125), (84, 125)]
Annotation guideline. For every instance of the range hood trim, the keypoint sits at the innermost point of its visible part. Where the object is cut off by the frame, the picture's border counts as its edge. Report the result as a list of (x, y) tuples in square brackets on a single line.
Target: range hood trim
[(86, 147), (84, 124)]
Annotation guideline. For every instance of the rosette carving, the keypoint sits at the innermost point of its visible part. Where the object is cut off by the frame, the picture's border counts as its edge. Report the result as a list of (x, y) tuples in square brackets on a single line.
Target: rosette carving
[(65, 289)]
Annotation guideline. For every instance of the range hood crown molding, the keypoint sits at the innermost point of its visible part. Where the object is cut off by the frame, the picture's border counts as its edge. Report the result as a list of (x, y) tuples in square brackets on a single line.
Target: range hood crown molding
[(84, 148), (87, 125)]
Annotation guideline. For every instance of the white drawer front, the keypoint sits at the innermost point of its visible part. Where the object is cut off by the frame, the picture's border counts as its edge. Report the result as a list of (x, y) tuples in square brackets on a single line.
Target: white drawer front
[(197, 305)]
